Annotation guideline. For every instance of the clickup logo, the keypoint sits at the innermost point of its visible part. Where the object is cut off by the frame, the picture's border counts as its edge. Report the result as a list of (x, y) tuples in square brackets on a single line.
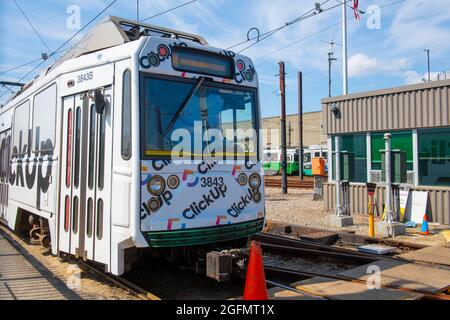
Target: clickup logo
[(73, 21), (188, 173)]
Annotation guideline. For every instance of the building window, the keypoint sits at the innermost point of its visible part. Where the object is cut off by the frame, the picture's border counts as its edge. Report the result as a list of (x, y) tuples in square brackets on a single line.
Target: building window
[(434, 157), (353, 158), (399, 141)]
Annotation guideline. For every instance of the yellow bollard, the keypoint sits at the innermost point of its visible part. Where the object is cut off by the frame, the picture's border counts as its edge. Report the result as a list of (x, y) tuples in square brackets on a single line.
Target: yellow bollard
[(371, 218)]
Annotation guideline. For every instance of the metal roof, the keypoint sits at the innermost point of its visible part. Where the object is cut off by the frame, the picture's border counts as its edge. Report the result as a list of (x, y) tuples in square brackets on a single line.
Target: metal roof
[(110, 32), (114, 31)]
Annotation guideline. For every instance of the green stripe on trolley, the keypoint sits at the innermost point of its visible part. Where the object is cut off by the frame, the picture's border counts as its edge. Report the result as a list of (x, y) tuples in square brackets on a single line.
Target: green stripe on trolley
[(191, 237)]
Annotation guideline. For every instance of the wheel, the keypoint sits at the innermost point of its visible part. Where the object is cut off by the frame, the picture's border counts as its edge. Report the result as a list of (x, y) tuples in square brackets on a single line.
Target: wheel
[(35, 238), (45, 241)]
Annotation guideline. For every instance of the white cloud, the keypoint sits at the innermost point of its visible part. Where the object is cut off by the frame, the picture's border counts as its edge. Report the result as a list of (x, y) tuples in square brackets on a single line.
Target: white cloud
[(421, 24), (413, 77), (361, 65)]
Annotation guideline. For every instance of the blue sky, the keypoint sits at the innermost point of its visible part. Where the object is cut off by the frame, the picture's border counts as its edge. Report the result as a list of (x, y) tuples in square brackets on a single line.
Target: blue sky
[(391, 55)]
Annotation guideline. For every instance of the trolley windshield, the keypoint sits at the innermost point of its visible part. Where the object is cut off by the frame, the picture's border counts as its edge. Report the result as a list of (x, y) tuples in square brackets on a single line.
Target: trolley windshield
[(194, 119)]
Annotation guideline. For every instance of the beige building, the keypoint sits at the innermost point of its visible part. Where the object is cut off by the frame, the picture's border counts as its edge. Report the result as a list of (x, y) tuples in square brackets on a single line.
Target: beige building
[(312, 131)]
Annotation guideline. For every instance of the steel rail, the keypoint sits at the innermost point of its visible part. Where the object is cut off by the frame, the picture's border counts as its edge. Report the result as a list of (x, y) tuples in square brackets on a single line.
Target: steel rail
[(273, 283), (343, 235), (304, 274), (331, 254), (120, 282), (296, 245)]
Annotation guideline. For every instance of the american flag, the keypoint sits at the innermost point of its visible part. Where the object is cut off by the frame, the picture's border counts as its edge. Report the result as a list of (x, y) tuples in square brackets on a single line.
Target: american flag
[(355, 9)]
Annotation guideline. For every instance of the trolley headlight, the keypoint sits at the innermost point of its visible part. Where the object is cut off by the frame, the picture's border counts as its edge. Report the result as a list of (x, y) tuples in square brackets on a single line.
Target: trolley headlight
[(257, 197), (156, 185), (173, 182), (154, 204), (242, 179), (255, 181)]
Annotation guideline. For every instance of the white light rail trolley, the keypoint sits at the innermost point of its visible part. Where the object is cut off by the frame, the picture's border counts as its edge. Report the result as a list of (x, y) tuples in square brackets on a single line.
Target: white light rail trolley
[(108, 151)]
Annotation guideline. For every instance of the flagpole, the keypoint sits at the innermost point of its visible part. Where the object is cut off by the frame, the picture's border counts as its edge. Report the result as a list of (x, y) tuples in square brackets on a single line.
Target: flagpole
[(344, 46)]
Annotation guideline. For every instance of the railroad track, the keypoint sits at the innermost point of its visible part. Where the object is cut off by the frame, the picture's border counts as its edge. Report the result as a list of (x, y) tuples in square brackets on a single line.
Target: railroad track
[(119, 281), (346, 238), (303, 275), (292, 247), (97, 270), (284, 245)]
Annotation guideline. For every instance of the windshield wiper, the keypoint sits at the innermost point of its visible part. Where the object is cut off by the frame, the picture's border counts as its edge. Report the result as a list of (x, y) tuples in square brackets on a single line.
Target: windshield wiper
[(184, 104)]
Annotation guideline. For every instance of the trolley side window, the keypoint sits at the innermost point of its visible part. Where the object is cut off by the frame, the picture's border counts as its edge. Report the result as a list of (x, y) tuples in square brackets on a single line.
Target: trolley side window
[(307, 157), (101, 151), (44, 119), (126, 116), (92, 116), (77, 147), (21, 125), (99, 230)]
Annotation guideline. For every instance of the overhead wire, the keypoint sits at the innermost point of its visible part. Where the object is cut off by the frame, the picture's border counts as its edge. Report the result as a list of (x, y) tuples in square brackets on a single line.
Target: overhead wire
[(168, 10), (318, 32), (58, 51), (261, 37), (61, 46), (32, 26)]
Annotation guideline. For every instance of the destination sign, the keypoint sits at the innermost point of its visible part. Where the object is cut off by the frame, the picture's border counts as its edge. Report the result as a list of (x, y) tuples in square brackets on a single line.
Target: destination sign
[(202, 62)]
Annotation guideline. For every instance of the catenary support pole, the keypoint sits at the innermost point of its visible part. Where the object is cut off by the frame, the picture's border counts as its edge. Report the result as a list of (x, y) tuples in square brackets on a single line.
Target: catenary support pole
[(300, 123), (428, 64), (389, 214), (283, 128), (344, 45), (337, 140)]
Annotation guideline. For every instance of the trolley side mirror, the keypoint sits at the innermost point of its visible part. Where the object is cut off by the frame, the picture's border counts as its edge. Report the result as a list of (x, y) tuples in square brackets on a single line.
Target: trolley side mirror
[(99, 100)]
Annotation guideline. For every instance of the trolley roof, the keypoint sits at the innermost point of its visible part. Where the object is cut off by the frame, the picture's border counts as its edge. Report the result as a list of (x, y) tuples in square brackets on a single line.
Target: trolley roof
[(114, 31), (110, 32)]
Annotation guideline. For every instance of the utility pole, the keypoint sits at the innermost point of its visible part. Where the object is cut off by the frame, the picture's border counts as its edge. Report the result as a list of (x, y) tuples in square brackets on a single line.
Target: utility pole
[(344, 52), (137, 10), (428, 59), (283, 128), (289, 130), (330, 61), (300, 123), (331, 58)]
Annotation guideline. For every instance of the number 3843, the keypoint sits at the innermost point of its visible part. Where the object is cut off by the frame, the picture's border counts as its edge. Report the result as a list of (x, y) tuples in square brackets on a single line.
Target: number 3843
[(212, 182)]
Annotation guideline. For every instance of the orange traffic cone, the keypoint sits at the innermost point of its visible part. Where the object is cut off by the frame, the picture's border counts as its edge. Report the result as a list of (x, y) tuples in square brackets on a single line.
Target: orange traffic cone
[(425, 231), (255, 281)]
